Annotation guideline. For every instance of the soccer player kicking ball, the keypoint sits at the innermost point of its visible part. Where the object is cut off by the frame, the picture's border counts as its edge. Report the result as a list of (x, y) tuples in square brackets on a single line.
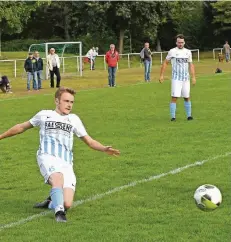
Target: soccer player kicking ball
[(181, 60), (54, 156)]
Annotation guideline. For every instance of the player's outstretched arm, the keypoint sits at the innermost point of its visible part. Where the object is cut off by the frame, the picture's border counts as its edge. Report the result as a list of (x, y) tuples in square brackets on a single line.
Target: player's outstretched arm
[(98, 146), (163, 68), (192, 70), (17, 129)]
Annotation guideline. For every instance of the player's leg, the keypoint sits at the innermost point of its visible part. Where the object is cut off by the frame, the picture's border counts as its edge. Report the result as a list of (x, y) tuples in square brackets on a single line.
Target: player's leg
[(68, 197), (173, 108), (69, 184), (51, 170), (187, 101), (175, 93), (56, 181)]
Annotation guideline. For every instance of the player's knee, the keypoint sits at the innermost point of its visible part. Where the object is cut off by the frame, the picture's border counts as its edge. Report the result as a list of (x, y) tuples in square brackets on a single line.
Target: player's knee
[(67, 204), (56, 179)]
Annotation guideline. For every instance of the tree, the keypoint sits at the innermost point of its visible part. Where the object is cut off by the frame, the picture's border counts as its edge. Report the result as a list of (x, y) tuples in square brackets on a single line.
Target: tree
[(14, 15), (188, 19), (138, 18), (222, 16)]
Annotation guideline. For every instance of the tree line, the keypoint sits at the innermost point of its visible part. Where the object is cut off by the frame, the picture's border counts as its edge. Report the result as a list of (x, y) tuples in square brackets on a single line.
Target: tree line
[(128, 24)]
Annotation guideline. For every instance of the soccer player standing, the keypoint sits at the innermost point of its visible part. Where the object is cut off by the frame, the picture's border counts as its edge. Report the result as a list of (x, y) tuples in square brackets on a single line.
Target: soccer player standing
[(55, 156), (181, 60)]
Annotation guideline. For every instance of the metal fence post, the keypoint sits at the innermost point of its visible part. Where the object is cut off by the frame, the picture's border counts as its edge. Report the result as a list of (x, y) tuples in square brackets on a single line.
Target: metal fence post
[(15, 68)]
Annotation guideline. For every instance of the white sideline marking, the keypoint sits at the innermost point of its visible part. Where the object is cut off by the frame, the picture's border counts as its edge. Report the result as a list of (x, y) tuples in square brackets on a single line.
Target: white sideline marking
[(114, 190)]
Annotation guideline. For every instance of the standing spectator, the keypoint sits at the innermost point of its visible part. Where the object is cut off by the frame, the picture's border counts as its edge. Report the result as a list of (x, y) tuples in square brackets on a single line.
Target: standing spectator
[(226, 48), (30, 67), (39, 68), (5, 84), (53, 63), (146, 56), (112, 58)]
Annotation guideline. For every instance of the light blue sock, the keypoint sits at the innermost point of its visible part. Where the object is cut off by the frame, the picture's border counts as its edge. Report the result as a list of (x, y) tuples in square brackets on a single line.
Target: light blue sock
[(51, 205), (173, 110), (188, 108), (56, 198)]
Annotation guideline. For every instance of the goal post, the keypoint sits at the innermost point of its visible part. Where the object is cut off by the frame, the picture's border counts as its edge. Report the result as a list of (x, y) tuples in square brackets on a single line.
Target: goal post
[(220, 50), (70, 54)]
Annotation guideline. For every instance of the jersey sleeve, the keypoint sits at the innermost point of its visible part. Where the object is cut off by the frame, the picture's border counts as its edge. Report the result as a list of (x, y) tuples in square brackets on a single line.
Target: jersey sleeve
[(190, 57), (36, 120), (79, 129), (169, 55)]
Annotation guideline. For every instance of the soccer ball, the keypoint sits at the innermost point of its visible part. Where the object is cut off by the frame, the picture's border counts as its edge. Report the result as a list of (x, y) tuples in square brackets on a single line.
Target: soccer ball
[(207, 197)]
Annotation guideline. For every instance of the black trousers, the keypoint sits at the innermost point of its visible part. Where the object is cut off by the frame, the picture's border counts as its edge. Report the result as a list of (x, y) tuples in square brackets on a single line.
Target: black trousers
[(58, 77)]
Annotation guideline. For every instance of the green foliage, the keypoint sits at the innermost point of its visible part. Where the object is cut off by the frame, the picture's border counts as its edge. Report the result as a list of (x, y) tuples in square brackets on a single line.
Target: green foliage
[(13, 15), (188, 19), (127, 23), (222, 16), (24, 44)]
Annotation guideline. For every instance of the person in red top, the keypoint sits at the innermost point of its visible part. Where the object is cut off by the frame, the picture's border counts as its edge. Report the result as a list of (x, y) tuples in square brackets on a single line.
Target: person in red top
[(112, 58)]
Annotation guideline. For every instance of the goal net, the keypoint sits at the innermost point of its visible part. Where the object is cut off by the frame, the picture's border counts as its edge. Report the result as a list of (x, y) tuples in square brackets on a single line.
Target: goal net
[(70, 54)]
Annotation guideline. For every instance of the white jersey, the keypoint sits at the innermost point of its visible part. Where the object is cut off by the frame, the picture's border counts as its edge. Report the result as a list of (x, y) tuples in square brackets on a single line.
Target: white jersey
[(91, 54), (180, 59), (56, 133)]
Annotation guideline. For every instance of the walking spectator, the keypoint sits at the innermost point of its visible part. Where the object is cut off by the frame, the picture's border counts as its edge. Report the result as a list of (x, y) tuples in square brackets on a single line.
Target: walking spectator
[(112, 58), (226, 48), (39, 68), (5, 84), (30, 67), (146, 57), (53, 63)]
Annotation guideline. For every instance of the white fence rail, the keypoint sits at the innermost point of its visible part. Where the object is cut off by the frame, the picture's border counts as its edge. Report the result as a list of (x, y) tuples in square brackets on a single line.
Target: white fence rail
[(18, 64)]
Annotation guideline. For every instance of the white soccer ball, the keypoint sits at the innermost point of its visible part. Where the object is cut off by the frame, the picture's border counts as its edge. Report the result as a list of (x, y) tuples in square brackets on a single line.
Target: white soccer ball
[(208, 197)]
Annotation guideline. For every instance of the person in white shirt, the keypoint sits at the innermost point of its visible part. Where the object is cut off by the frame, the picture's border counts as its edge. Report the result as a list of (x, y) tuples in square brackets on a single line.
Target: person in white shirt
[(53, 63), (55, 155), (181, 60), (91, 55)]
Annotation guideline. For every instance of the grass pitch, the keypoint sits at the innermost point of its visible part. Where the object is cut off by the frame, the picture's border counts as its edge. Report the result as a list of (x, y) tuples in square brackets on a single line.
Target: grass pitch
[(134, 117)]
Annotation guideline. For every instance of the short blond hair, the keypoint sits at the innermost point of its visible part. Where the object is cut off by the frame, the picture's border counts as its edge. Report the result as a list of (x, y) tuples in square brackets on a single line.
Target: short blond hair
[(62, 90)]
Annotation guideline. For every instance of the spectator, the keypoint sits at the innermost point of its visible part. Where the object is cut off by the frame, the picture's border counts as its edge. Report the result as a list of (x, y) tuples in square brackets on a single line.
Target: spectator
[(53, 63), (91, 55), (226, 48), (146, 56), (112, 58), (30, 67), (39, 68), (5, 84)]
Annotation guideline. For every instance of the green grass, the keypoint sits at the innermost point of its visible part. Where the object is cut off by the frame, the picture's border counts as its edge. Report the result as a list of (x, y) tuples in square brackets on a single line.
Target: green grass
[(135, 119)]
